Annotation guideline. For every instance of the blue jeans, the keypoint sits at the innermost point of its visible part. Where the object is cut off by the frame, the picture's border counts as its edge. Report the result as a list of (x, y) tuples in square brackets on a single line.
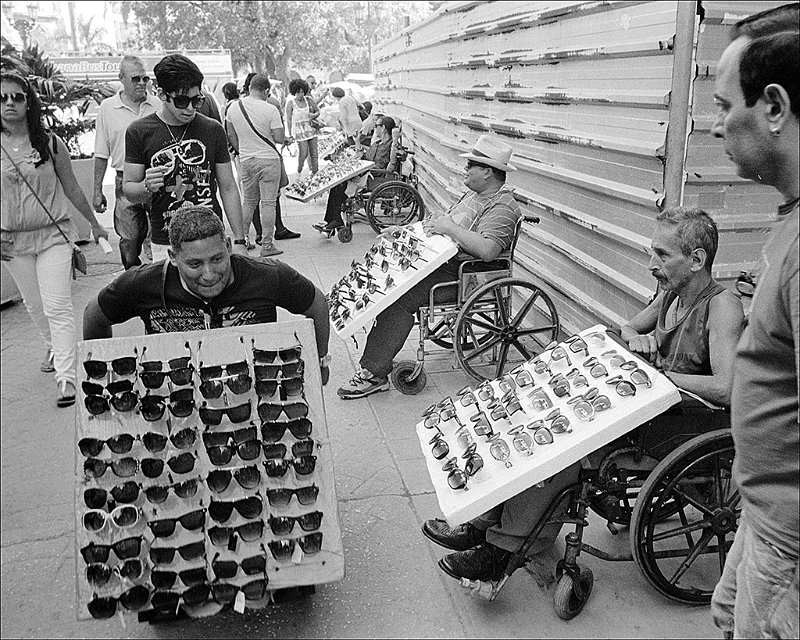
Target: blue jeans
[(753, 598), (393, 324), (260, 187), (130, 223)]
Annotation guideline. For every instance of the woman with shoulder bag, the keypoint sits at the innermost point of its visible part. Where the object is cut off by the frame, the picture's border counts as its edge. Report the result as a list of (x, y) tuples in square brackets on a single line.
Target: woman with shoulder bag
[(37, 234), (301, 112)]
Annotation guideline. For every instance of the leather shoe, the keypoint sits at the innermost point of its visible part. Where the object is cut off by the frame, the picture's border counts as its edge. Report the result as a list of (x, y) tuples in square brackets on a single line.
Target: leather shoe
[(286, 234), (486, 563), (464, 536)]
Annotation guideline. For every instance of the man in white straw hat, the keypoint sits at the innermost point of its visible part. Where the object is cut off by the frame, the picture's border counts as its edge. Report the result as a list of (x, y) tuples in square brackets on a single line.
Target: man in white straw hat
[(482, 223)]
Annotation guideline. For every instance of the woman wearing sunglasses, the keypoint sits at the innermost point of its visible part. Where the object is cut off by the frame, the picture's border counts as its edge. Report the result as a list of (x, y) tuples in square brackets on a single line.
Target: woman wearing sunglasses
[(39, 190)]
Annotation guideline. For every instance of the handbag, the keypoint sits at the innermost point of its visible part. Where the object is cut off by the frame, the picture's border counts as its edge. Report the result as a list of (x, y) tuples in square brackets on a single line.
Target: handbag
[(284, 176), (78, 258)]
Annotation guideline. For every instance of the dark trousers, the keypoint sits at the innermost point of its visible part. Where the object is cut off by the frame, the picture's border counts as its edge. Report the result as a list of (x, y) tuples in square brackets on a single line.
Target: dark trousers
[(336, 199), (278, 221), (130, 223)]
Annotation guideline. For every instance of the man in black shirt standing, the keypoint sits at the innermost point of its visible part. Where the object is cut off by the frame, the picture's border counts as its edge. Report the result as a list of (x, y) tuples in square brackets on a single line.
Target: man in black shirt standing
[(202, 286), (177, 157)]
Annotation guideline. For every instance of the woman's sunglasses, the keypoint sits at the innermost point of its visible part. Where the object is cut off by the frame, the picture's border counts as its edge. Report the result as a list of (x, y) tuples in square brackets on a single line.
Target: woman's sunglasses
[(164, 579), (222, 454), (123, 549), (226, 569), (133, 599), (166, 527), (456, 478), (156, 442), (98, 369), (302, 466), (124, 516), (279, 450), (249, 532), (17, 97), (125, 493), (238, 384), (474, 462), (98, 574), (180, 372), (281, 497), (247, 478), (282, 550), (286, 386), (91, 447), (250, 507), (121, 393), (122, 467), (154, 467), (269, 411), (159, 493), (236, 414), (180, 403), (265, 356)]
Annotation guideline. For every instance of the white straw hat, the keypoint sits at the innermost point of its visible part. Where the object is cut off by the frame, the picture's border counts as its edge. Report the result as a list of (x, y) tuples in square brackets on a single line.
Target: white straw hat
[(491, 152)]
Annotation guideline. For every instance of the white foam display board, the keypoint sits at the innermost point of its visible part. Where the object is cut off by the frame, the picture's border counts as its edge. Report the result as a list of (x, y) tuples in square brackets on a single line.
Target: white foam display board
[(495, 483), (434, 251), (364, 165)]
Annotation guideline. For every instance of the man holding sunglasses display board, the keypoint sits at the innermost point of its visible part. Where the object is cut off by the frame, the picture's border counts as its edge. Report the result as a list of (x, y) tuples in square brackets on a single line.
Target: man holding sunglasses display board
[(177, 157), (202, 286), (689, 331)]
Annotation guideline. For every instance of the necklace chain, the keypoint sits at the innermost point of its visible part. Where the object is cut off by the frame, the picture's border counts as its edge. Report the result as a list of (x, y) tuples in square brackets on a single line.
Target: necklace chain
[(172, 135)]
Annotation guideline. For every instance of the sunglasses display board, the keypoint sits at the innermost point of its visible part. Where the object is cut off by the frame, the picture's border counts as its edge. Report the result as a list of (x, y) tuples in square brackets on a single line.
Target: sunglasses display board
[(204, 473), (328, 145), (340, 169), (388, 269), (488, 443)]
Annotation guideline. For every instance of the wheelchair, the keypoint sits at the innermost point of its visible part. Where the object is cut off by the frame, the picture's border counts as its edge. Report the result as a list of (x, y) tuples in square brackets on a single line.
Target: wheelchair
[(395, 200), (682, 511), (490, 320)]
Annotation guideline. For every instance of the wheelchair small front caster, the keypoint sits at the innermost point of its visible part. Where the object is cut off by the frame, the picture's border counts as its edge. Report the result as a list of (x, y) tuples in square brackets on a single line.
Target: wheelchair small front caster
[(346, 234), (402, 381), (569, 597)]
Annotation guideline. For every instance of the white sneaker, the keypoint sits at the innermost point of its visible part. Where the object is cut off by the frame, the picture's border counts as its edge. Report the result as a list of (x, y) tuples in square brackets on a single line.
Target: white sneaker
[(361, 385)]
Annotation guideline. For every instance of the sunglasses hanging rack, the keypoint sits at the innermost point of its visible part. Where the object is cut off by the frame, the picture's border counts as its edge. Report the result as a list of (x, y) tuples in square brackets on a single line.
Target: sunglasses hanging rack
[(204, 475), (387, 270), (489, 442)]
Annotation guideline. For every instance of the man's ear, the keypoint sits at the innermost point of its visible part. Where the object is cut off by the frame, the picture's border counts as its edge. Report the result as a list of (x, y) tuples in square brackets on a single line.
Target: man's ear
[(699, 257), (228, 244), (778, 105), (172, 256)]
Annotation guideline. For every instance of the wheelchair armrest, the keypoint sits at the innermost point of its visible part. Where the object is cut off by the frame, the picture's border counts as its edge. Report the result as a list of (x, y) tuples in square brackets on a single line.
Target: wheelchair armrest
[(439, 287)]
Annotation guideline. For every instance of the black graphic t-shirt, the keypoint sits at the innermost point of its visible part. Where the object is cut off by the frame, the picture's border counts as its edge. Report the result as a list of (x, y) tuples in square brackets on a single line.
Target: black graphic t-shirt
[(190, 154), (258, 288)]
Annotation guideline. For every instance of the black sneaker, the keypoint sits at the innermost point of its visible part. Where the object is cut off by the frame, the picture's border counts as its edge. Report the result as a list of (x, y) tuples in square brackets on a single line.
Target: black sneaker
[(361, 385), (486, 563), (286, 234), (460, 538)]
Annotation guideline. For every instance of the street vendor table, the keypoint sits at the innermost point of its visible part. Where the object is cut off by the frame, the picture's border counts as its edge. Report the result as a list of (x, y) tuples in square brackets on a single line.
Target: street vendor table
[(495, 482), (364, 166), (434, 250)]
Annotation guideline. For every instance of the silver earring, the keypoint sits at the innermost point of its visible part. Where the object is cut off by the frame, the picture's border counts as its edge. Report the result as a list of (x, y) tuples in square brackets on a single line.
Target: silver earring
[(775, 132)]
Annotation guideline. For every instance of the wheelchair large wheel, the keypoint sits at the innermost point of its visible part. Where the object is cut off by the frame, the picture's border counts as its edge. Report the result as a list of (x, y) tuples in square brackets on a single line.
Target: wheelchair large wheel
[(393, 203), (689, 500), (502, 324)]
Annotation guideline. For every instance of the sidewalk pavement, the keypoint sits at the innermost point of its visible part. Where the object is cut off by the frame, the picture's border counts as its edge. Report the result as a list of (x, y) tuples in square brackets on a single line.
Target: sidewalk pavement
[(392, 586)]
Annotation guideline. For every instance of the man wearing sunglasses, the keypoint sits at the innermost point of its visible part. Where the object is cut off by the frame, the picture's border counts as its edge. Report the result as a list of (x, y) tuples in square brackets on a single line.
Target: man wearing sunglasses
[(482, 223), (114, 116), (689, 331), (202, 286), (178, 157)]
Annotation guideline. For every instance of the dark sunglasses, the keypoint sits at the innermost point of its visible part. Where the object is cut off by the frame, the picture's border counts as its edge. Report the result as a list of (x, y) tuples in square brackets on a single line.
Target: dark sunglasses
[(274, 431), (166, 527), (249, 532), (124, 549), (237, 384), (269, 411), (154, 467), (281, 497), (165, 555), (302, 466), (283, 525), (219, 438), (133, 599), (456, 478), (122, 467), (247, 477), (169, 600), (265, 356), (164, 579), (287, 387), (224, 370), (182, 102), (96, 498), (222, 454), (236, 414), (621, 386), (138, 79), (98, 369), (180, 372), (226, 569), (278, 450), (474, 462), (225, 593), (183, 439), (17, 97), (98, 574), (123, 397), (159, 493), (91, 447), (283, 550), (180, 402), (250, 507), (440, 448), (288, 370)]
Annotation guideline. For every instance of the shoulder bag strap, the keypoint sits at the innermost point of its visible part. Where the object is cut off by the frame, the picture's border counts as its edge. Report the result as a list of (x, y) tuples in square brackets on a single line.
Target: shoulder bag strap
[(38, 199), (250, 122)]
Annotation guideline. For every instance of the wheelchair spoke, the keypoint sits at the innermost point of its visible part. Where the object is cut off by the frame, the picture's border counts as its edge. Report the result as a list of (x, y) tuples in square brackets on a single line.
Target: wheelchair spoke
[(693, 501), (522, 350), (486, 326), (501, 360), (722, 551), (679, 531), (523, 311), (479, 351), (702, 543), (734, 500), (501, 307)]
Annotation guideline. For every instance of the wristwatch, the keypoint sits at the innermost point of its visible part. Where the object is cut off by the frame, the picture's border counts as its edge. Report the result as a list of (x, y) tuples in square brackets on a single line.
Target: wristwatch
[(325, 361), (242, 241)]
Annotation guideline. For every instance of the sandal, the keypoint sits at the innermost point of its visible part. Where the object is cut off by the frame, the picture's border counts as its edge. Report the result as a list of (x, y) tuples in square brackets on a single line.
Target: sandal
[(47, 364), (66, 394)]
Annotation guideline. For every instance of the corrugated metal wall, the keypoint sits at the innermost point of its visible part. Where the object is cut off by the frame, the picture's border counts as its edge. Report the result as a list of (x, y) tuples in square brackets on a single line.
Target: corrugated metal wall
[(582, 93)]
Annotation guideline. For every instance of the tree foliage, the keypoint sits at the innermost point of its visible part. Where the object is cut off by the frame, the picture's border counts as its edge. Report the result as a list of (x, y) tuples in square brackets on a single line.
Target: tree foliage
[(273, 37)]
